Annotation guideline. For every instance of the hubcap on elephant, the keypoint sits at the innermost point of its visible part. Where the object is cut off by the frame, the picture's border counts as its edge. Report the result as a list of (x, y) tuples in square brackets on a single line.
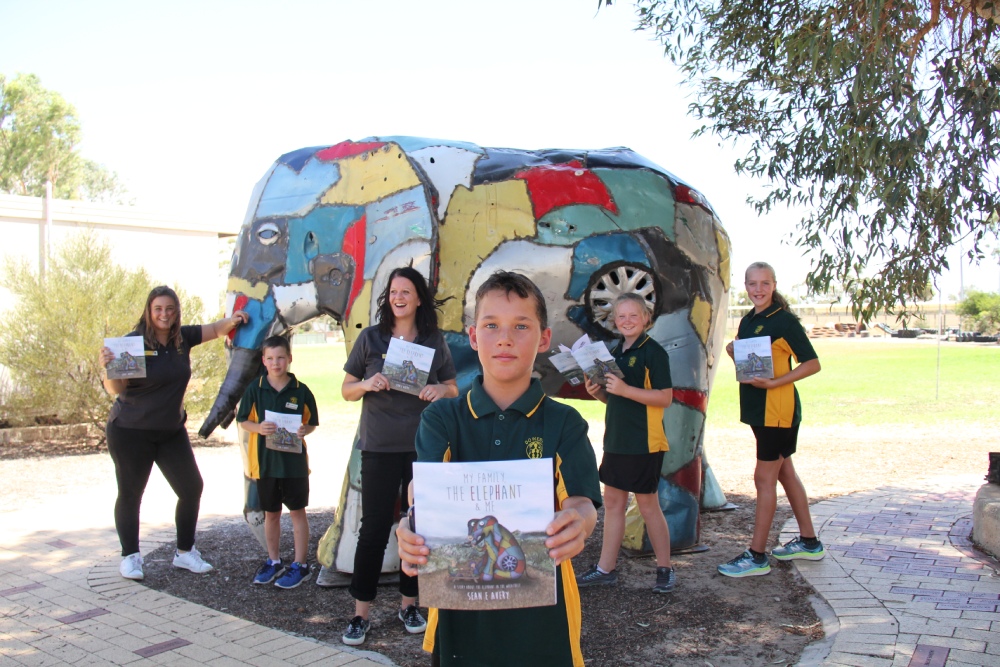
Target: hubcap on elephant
[(610, 284)]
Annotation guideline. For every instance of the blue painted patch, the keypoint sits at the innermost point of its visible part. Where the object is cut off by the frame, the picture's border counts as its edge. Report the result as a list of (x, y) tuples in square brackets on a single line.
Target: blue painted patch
[(294, 193), (593, 253), (410, 144), (296, 159), (327, 225), (262, 313), (681, 514), (397, 219), (466, 359)]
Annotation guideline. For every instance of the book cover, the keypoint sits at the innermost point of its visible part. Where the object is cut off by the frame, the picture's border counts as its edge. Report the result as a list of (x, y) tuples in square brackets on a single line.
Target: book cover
[(753, 358), (407, 365), (566, 364), (597, 362), (485, 523), (130, 358), (286, 438)]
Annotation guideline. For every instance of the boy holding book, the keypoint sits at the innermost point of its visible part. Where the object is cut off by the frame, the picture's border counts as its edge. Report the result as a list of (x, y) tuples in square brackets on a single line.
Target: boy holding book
[(506, 416), (283, 475)]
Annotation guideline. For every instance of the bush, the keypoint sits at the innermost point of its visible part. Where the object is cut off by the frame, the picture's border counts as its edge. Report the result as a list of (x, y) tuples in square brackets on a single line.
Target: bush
[(50, 340), (980, 312)]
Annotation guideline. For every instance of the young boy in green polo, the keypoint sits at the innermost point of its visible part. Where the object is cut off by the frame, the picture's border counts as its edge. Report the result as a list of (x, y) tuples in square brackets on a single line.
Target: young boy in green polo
[(495, 421), (283, 475)]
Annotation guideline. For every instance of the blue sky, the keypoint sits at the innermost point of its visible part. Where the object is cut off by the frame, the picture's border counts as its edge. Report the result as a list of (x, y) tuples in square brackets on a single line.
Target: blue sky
[(190, 102)]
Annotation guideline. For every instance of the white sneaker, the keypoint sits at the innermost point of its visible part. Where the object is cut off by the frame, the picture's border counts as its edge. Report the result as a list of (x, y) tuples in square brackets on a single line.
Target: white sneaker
[(191, 561), (131, 567)]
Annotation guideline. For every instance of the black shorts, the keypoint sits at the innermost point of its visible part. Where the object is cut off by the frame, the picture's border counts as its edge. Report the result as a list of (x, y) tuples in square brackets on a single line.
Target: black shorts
[(637, 473), (292, 492), (774, 442)]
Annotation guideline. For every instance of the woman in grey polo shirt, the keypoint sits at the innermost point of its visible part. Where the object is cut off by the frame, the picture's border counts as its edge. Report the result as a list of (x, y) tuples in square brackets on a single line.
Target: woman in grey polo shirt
[(389, 421), (146, 426)]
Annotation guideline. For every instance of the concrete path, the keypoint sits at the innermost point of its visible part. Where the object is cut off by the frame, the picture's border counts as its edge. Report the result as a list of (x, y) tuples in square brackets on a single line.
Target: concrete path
[(902, 585), (903, 580)]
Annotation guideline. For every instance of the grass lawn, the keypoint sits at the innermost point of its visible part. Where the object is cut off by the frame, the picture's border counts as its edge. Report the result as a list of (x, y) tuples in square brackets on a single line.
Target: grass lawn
[(864, 382)]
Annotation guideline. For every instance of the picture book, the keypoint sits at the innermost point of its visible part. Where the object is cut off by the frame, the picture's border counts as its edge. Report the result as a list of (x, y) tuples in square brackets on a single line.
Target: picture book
[(566, 364), (130, 358), (286, 438), (407, 365), (485, 523), (753, 358), (585, 358)]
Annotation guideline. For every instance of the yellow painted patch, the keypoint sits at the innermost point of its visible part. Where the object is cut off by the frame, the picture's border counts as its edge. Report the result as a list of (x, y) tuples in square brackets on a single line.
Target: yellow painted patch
[(253, 290), (477, 221), (722, 239), (701, 318), (371, 176), (358, 318), (635, 527)]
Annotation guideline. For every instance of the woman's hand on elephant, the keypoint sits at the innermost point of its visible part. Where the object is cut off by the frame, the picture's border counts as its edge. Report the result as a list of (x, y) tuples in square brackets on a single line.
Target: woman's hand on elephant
[(240, 317)]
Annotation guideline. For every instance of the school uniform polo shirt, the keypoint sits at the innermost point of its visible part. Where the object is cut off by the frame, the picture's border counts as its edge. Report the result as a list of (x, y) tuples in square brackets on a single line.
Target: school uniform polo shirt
[(156, 402), (473, 428), (630, 426), (775, 407), (294, 398)]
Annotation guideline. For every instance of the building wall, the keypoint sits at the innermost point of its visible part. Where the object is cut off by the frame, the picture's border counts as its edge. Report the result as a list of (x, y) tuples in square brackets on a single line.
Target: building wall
[(191, 254)]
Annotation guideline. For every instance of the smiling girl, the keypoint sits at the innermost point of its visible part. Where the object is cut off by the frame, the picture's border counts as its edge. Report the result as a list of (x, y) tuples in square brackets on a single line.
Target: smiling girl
[(634, 443), (770, 406)]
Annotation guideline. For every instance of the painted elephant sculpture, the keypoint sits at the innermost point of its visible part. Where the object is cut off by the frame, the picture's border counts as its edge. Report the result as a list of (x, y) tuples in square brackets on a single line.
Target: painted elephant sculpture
[(326, 225)]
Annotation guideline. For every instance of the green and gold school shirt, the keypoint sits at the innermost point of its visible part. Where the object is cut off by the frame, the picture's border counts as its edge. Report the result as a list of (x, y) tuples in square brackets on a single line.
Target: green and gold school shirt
[(294, 398), (775, 407), (631, 427)]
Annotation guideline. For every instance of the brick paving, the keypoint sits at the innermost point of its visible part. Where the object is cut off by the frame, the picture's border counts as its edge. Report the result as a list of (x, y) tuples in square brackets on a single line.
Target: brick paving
[(901, 580), (901, 575)]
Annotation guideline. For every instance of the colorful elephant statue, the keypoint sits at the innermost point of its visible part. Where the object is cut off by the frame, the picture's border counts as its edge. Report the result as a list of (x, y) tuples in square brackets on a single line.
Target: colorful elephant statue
[(326, 225)]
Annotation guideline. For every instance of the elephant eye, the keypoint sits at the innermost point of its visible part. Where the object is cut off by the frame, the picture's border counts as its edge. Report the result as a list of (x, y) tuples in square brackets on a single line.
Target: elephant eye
[(268, 233)]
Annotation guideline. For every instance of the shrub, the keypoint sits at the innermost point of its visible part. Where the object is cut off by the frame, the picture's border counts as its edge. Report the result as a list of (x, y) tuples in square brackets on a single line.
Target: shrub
[(980, 312)]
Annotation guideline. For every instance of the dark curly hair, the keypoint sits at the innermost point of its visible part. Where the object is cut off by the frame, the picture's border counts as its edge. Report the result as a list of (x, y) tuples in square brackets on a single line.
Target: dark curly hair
[(427, 321)]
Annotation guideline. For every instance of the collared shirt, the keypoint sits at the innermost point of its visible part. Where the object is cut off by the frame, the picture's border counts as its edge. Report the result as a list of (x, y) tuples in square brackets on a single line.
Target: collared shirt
[(630, 426), (473, 428), (775, 407), (294, 398), (156, 402), (389, 419)]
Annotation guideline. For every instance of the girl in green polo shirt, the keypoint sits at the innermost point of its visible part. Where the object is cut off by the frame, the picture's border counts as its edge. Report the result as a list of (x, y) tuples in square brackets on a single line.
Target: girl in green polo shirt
[(770, 406)]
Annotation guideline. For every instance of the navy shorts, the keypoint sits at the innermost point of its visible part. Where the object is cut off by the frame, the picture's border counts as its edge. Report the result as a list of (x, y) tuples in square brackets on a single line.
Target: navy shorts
[(292, 492), (637, 473), (774, 442)]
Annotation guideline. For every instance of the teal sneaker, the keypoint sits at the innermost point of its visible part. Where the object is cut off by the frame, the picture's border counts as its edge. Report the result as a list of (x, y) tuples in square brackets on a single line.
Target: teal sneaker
[(797, 549), (744, 566)]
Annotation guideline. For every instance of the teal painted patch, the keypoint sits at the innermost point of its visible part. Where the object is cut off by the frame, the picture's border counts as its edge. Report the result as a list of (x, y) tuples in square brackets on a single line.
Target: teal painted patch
[(295, 193), (684, 427), (319, 233), (396, 219), (644, 199), (594, 252)]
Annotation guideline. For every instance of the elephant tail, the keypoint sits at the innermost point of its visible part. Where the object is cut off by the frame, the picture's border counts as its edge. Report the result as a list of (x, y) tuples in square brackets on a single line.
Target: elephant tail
[(244, 366)]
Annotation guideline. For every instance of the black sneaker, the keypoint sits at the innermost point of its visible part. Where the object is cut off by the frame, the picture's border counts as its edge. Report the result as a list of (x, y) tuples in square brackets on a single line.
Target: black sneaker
[(665, 580), (594, 577), (356, 631), (412, 620)]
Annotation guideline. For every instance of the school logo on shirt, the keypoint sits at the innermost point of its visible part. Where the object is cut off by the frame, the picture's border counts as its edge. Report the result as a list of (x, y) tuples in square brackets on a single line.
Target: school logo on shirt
[(533, 448), (631, 362), (760, 327)]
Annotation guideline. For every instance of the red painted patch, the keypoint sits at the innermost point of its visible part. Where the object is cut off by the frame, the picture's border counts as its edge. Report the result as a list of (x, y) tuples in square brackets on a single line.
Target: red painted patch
[(558, 185), (239, 304), (689, 477), (569, 391), (348, 149), (354, 245), (693, 398)]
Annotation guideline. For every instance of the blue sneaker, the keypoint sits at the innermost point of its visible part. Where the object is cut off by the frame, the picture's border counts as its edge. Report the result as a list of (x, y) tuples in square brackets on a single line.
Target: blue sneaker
[(294, 575), (268, 572), (797, 549), (744, 566)]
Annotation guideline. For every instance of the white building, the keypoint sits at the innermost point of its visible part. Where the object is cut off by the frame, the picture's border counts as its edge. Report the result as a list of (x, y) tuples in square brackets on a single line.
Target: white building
[(184, 251)]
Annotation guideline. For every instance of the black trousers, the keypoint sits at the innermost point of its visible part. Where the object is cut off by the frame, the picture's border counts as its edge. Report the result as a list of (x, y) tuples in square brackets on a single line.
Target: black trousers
[(383, 478), (134, 451)]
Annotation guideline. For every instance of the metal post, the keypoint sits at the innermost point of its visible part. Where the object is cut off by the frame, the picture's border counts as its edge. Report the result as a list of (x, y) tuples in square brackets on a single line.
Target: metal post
[(45, 230)]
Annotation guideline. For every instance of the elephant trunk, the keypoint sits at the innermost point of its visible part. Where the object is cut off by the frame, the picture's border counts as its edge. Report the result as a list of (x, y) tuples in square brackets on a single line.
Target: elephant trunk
[(244, 366)]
